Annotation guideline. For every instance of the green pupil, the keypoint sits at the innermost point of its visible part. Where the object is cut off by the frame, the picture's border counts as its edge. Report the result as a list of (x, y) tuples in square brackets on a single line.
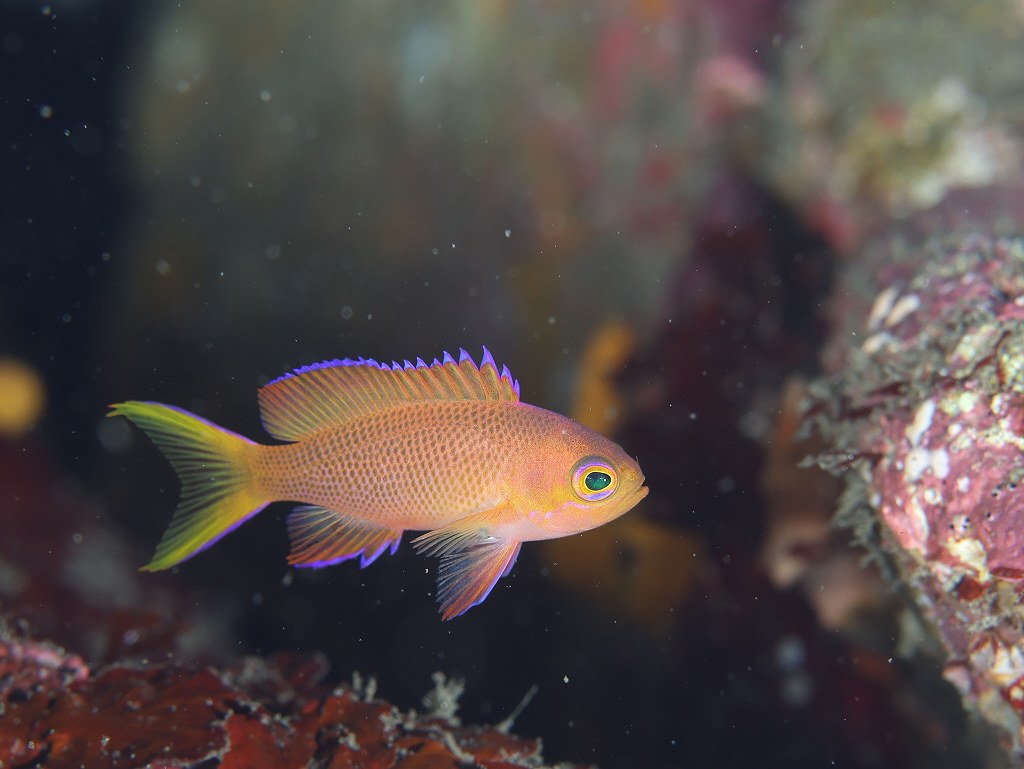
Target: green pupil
[(596, 480)]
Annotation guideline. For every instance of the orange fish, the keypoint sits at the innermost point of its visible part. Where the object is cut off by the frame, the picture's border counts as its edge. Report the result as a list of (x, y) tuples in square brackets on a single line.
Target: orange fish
[(375, 449)]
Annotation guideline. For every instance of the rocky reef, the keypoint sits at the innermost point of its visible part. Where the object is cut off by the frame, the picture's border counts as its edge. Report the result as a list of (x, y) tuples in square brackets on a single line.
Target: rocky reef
[(926, 426), (257, 714)]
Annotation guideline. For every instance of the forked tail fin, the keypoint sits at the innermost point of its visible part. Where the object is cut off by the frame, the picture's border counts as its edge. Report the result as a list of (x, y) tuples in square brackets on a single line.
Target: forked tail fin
[(214, 466)]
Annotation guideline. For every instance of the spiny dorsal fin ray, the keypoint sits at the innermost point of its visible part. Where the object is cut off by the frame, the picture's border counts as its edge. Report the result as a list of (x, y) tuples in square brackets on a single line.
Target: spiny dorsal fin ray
[(324, 394)]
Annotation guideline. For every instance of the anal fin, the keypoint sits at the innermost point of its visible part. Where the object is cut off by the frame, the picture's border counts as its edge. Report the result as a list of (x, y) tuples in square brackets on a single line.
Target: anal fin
[(472, 560), (322, 537)]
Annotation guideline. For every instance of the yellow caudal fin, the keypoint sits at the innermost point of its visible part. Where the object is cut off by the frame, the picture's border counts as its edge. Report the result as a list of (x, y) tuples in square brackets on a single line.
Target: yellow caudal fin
[(213, 464)]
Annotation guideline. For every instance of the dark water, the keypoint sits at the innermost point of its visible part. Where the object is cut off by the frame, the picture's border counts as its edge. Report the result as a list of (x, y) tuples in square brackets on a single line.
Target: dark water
[(198, 198)]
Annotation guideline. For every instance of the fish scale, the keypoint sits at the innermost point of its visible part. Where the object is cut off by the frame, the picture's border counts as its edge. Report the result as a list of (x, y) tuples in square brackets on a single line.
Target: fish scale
[(405, 452), (376, 449)]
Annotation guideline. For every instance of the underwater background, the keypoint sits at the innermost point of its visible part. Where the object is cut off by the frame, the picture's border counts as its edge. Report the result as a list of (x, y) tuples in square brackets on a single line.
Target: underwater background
[(768, 247)]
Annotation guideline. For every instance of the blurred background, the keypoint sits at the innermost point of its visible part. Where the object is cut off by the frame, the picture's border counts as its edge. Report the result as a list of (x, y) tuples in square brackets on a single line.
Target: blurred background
[(641, 208)]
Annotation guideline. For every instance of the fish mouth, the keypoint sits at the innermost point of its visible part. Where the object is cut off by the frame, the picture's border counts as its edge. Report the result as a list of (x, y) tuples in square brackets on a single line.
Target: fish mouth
[(632, 499), (642, 490), (627, 502)]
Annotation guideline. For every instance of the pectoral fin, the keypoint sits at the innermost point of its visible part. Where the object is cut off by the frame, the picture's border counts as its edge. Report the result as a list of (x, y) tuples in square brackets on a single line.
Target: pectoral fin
[(465, 578), (322, 537), (472, 560)]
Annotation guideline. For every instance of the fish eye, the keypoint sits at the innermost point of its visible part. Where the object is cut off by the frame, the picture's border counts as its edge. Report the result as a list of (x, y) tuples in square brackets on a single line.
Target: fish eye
[(597, 480), (593, 479)]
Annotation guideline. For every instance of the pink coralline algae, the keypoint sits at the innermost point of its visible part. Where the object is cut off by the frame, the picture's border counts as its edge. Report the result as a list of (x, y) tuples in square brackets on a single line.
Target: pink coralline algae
[(259, 714), (926, 418)]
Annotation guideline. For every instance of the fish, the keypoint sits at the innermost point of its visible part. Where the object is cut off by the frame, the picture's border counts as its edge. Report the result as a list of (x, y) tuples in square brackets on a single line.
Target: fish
[(370, 450)]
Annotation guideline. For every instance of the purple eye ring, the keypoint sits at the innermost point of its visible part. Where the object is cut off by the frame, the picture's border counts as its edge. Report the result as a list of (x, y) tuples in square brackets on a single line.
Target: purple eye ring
[(594, 479)]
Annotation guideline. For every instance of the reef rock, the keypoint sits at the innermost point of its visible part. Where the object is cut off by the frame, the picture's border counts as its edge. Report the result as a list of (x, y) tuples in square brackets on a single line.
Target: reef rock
[(259, 714), (925, 416)]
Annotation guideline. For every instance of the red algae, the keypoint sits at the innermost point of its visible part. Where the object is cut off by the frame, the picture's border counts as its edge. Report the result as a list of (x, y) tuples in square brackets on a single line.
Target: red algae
[(261, 714)]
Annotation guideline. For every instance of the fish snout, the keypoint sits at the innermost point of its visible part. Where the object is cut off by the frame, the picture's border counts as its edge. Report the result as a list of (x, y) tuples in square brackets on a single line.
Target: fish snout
[(638, 495), (635, 478)]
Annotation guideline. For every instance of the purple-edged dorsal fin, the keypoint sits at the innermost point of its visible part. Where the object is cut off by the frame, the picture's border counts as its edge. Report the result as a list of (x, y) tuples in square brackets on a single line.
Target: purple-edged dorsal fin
[(324, 394)]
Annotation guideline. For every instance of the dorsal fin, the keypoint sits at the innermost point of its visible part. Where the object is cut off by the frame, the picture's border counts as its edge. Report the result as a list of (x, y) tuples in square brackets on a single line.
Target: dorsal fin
[(325, 394)]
